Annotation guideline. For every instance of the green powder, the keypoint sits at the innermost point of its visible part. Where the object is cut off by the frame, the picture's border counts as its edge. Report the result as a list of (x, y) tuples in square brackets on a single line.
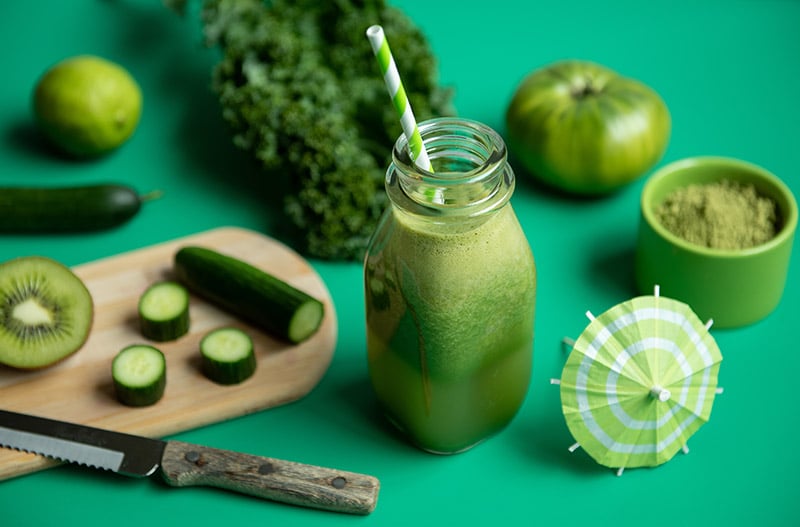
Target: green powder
[(720, 215)]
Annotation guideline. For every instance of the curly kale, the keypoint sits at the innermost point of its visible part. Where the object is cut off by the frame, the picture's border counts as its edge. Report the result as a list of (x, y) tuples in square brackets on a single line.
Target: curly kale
[(302, 92)]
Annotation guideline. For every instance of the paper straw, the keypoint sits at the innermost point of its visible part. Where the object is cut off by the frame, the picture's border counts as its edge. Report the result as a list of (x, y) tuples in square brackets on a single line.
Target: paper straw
[(398, 94)]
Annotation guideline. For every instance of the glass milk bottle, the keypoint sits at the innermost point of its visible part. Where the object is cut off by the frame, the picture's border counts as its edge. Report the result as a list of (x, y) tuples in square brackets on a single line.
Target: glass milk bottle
[(450, 286)]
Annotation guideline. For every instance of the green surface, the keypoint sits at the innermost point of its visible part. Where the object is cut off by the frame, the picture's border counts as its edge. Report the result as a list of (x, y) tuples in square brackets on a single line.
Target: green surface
[(729, 72)]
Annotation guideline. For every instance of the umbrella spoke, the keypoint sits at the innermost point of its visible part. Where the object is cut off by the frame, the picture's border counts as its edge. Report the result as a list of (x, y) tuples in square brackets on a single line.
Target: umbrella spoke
[(696, 399), (625, 447), (708, 357), (600, 343), (594, 397)]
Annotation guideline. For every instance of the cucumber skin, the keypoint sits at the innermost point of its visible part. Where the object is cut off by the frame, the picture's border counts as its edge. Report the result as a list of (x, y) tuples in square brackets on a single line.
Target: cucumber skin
[(66, 209), (243, 290), (140, 396), (164, 330), (228, 374), (224, 372)]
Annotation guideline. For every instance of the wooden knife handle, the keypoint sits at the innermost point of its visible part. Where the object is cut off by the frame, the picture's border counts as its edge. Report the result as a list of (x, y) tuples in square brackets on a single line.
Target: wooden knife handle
[(185, 464)]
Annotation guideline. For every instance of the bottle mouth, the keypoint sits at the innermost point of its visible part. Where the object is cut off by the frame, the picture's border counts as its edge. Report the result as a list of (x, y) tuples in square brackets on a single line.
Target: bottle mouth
[(468, 160)]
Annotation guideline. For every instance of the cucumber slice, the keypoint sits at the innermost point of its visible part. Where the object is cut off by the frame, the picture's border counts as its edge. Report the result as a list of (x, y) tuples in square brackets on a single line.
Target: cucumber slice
[(139, 372), (164, 311), (250, 293), (228, 355)]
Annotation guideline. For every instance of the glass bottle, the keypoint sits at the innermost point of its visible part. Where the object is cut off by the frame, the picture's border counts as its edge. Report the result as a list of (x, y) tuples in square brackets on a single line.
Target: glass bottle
[(450, 286)]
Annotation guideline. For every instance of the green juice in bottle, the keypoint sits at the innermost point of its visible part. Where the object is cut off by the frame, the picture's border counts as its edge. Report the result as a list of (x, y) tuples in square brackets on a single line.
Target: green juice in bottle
[(450, 286)]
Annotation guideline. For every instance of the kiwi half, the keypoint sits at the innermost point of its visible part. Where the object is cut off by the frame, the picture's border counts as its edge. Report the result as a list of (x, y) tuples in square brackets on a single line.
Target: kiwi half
[(46, 312)]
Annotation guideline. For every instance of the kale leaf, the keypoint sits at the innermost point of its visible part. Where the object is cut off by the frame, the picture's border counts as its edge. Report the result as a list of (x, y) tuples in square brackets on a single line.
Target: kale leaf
[(301, 90)]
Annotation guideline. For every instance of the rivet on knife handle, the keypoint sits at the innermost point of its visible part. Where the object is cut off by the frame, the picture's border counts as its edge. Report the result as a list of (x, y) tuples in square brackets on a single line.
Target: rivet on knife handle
[(185, 464)]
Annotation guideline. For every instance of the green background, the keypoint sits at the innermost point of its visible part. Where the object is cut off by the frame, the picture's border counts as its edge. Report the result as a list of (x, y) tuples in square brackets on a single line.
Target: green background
[(729, 71)]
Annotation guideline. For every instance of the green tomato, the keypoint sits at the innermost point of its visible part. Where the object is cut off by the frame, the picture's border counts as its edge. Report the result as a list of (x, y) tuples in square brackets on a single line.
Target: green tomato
[(584, 129)]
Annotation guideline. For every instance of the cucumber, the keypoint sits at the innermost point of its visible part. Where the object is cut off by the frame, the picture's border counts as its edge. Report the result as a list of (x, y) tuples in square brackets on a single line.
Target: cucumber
[(139, 373), (68, 209), (227, 355), (164, 311), (250, 293)]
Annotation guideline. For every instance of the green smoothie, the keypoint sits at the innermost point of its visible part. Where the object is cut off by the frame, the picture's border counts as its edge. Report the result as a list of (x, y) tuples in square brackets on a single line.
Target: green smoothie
[(450, 312)]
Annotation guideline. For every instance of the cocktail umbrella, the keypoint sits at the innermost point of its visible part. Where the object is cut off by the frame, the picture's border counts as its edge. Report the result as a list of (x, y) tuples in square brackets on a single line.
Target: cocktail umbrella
[(639, 381)]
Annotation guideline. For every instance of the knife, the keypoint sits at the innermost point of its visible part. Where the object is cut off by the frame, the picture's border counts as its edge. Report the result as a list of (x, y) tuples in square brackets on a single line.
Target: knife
[(184, 464)]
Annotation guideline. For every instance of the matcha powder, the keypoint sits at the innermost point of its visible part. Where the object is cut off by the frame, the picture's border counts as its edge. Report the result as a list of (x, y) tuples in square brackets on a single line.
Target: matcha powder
[(720, 215)]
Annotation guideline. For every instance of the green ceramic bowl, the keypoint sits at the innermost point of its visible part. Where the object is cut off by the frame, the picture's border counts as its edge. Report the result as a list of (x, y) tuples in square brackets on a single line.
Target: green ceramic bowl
[(732, 287)]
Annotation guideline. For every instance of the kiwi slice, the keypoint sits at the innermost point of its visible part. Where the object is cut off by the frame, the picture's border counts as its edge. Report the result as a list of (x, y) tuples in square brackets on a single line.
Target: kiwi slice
[(46, 312)]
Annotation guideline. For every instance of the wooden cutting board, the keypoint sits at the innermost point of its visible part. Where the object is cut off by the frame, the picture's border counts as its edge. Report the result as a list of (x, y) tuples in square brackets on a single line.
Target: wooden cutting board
[(79, 389)]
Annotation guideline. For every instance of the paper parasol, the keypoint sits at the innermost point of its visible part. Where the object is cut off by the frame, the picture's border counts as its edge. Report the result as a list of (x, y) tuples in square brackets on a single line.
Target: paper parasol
[(639, 381)]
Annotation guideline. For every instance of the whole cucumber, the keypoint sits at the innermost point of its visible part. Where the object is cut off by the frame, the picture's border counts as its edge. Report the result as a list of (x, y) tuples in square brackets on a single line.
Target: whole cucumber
[(67, 209)]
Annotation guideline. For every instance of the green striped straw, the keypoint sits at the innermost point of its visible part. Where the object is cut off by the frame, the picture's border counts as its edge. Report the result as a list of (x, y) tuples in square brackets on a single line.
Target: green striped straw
[(398, 94)]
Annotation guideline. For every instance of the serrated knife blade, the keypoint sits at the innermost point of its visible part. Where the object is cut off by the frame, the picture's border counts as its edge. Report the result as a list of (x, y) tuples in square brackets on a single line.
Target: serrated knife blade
[(185, 464), (123, 453)]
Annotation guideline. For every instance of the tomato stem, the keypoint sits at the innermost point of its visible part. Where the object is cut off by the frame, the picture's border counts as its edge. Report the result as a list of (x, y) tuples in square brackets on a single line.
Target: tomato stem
[(584, 89)]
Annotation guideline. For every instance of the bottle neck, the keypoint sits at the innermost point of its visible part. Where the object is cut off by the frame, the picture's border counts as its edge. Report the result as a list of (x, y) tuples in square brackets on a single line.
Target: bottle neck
[(470, 174)]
